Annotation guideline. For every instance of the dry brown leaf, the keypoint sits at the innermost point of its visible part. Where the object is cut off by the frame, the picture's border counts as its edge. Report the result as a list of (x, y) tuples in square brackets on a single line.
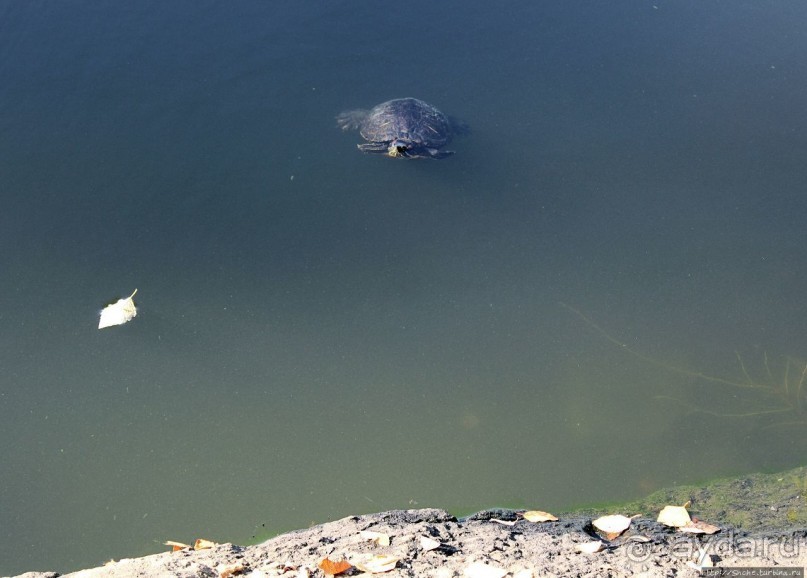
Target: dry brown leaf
[(612, 526), (333, 568), (175, 546), (228, 570), (202, 544), (118, 313), (428, 544), (377, 564), (590, 547), (539, 516), (480, 570), (674, 516), (378, 537), (699, 527)]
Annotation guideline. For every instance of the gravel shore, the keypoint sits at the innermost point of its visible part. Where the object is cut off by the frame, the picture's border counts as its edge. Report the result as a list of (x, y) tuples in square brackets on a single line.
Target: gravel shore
[(497, 543)]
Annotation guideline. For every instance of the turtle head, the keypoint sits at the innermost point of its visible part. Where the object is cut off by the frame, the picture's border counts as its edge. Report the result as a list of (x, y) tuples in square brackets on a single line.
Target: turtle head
[(399, 148)]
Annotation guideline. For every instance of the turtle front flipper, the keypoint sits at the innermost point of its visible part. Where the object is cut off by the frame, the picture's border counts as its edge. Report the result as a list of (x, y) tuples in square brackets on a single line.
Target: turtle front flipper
[(373, 147), (438, 154)]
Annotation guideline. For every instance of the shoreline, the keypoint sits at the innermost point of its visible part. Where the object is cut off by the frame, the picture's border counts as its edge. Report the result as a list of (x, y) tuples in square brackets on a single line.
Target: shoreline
[(500, 542)]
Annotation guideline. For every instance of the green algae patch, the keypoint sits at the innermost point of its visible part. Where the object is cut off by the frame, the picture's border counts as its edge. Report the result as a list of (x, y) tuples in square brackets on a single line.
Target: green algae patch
[(756, 502)]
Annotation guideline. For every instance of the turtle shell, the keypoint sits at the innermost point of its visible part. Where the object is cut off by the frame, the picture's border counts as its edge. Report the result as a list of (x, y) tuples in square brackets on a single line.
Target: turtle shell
[(407, 119)]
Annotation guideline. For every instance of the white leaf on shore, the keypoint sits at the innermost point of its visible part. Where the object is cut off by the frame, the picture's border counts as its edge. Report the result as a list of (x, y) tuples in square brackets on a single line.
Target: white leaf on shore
[(699, 527), (428, 544), (590, 547), (674, 516), (377, 564), (118, 313), (378, 537), (480, 570), (539, 516), (613, 525), (704, 561), (203, 544)]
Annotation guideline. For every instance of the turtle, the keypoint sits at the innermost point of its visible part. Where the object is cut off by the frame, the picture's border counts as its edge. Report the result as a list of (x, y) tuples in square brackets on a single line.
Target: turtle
[(402, 128)]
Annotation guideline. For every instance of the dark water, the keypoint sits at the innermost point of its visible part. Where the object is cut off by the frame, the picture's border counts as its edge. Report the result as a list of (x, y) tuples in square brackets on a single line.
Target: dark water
[(323, 333)]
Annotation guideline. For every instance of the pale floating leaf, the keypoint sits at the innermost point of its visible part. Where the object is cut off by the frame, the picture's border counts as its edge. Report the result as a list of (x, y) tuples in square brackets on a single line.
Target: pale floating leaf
[(674, 516), (378, 537), (539, 516), (612, 525), (377, 564), (699, 527), (590, 547), (428, 544), (118, 313), (480, 570)]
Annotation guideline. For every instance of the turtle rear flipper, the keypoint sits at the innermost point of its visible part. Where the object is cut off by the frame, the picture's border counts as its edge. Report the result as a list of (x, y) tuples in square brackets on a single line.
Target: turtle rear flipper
[(459, 126), (351, 119)]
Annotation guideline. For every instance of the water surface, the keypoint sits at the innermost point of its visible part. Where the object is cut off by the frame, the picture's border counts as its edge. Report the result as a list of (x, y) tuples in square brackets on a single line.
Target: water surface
[(323, 333)]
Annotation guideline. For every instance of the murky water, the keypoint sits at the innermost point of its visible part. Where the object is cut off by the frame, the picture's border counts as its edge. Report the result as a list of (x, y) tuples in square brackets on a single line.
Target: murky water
[(322, 333)]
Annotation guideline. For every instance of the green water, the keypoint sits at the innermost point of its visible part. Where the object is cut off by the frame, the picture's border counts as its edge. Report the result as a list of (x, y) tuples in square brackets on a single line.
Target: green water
[(322, 333)]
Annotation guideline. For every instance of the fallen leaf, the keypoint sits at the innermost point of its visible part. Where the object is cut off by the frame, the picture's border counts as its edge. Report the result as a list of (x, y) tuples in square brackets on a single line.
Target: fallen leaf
[(333, 568), (674, 516), (699, 527), (539, 516), (704, 561), (428, 544), (202, 544), (176, 545), (118, 313), (503, 522), (378, 537), (377, 564), (612, 526), (590, 547), (480, 570), (228, 570)]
